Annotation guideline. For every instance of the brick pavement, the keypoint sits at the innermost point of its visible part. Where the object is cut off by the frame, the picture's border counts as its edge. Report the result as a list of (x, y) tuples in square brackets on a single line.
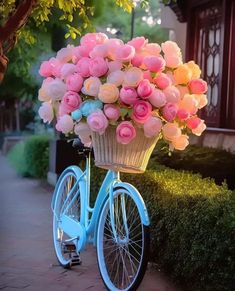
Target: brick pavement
[(27, 259)]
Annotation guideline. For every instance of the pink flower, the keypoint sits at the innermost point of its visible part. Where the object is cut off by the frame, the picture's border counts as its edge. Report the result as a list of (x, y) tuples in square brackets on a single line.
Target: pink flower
[(65, 124), (138, 42), (173, 61), (199, 129), (83, 67), (137, 60), (46, 112), (193, 122), (116, 78), (113, 45), (147, 75), (125, 132), (157, 98), (71, 101), (141, 111), (152, 126), (98, 67), (189, 103), (170, 48), (183, 114), (74, 82), (84, 50), (128, 95), (114, 66), (197, 86), (108, 93), (93, 38), (154, 63), (125, 53), (100, 50), (91, 86), (162, 81), (144, 89), (171, 131), (152, 49), (112, 111), (55, 89), (132, 77), (45, 69), (83, 131), (65, 54), (67, 69), (169, 111), (180, 143), (172, 94), (97, 121)]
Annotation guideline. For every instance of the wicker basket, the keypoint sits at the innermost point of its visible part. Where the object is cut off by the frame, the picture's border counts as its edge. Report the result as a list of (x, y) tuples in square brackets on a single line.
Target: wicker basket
[(130, 158)]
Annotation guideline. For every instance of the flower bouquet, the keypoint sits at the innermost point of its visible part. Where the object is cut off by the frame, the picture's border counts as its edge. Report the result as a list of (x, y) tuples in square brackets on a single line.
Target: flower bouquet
[(122, 98)]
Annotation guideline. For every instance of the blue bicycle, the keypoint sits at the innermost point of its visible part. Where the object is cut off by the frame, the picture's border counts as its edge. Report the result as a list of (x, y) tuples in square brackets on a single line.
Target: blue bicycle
[(118, 225)]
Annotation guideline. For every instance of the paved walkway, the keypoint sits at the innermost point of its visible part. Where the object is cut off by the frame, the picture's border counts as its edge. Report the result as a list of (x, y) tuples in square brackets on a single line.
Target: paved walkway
[(27, 259)]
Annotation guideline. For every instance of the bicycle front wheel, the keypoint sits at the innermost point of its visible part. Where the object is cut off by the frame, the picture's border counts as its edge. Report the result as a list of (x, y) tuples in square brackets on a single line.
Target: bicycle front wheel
[(122, 261)]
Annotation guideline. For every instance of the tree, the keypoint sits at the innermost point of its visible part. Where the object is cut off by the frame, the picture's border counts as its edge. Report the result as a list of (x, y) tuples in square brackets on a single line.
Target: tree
[(15, 14)]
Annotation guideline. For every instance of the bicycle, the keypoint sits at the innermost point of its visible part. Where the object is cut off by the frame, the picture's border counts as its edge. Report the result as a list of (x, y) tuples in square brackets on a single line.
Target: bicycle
[(118, 225)]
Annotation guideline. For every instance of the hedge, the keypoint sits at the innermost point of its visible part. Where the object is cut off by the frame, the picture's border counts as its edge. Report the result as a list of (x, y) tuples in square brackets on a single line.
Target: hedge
[(31, 157), (192, 226)]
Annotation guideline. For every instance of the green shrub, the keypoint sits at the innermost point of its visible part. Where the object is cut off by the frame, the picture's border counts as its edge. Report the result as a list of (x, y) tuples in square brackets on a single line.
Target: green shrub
[(192, 226), (209, 162)]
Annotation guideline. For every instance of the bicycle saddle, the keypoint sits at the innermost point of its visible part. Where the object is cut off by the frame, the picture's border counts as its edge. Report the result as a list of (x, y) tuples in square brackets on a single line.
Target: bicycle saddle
[(77, 144)]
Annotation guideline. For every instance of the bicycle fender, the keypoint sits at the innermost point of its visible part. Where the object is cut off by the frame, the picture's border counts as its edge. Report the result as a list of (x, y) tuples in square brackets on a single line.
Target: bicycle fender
[(77, 171), (137, 198)]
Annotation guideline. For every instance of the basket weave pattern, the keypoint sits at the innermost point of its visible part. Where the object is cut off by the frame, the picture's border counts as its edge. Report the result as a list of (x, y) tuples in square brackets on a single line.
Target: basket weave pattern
[(130, 158)]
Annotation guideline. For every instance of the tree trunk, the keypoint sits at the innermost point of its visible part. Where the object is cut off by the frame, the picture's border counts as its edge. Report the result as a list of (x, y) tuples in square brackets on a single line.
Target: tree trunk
[(8, 31)]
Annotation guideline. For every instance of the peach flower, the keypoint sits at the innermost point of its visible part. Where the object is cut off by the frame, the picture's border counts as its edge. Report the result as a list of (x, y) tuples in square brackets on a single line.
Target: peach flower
[(196, 72), (91, 86), (116, 78), (201, 99), (132, 77), (189, 103), (171, 131), (180, 143), (172, 94), (199, 129), (108, 93), (182, 74)]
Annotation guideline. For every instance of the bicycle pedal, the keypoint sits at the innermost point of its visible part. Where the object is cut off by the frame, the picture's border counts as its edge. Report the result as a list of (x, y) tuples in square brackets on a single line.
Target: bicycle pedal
[(69, 248), (76, 260)]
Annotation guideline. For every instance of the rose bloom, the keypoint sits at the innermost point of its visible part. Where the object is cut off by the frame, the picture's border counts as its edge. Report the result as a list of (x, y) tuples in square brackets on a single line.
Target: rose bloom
[(113, 45), (162, 81), (201, 99), (125, 132), (132, 77), (183, 114), (45, 69), (141, 111), (82, 67), (100, 50), (108, 93), (154, 63), (169, 111), (65, 124), (157, 98), (128, 95), (67, 69), (125, 53), (93, 38), (55, 89), (172, 94), (97, 121), (182, 74), (153, 49), (199, 129), (180, 143), (144, 89), (196, 72), (114, 66), (91, 86), (183, 90), (138, 42), (170, 48), (197, 86), (137, 60), (71, 101), (171, 131), (46, 112), (173, 61), (74, 82), (42, 95), (112, 111), (98, 67), (152, 126), (65, 54), (193, 122), (189, 103), (116, 78), (83, 131)]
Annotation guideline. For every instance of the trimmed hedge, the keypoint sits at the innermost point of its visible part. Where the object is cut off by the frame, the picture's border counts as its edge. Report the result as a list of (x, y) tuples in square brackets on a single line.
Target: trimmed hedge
[(209, 162), (192, 226), (31, 157)]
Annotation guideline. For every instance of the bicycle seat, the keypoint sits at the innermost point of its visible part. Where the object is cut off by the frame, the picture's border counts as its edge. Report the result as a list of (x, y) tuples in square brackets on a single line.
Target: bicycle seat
[(78, 145)]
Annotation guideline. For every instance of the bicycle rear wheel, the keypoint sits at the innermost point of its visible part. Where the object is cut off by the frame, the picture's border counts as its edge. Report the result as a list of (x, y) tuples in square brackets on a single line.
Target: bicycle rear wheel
[(66, 189), (122, 262)]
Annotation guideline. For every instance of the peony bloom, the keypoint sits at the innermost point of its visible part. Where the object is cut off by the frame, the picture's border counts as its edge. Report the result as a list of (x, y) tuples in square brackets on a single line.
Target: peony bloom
[(172, 94), (93, 38), (71, 101), (82, 67), (91, 86), (128, 95), (45, 69), (65, 124), (67, 69), (182, 74), (154, 63), (55, 89), (138, 42), (100, 50), (157, 98), (162, 81), (125, 132), (98, 67), (113, 45), (74, 82), (180, 143), (169, 111), (83, 131), (116, 78), (114, 66), (125, 53), (112, 111), (132, 77), (108, 93), (144, 89), (97, 121), (141, 111), (171, 131), (197, 86), (46, 112), (152, 126), (65, 54)]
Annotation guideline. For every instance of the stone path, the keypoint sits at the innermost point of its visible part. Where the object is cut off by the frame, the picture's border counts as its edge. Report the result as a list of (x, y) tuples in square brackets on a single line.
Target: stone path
[(27, 259)]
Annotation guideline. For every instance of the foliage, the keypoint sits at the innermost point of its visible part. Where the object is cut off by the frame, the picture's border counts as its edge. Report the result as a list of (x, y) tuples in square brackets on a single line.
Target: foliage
[(215, 163), (31, 157), (192, 226)]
